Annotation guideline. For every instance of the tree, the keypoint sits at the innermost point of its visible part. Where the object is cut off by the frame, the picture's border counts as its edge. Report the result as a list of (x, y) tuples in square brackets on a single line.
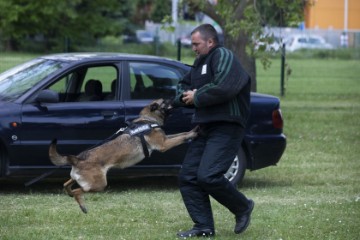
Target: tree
[(54, 21), (243, 20), (160, 9), (154, 10)]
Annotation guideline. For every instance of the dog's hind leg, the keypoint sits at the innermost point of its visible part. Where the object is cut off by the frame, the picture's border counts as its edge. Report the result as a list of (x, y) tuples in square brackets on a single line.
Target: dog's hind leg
[(78, 195), (67, 187)]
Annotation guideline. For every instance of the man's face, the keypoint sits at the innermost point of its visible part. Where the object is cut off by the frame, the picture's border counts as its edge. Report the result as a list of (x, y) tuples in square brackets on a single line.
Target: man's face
[(199, 45)]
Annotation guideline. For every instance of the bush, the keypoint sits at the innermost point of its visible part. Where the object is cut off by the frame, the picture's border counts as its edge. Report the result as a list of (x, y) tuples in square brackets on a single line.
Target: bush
[(340, 53)]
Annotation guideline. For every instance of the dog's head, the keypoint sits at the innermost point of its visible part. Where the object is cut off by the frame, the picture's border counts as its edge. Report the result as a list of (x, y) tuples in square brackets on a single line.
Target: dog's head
[(158, 109)]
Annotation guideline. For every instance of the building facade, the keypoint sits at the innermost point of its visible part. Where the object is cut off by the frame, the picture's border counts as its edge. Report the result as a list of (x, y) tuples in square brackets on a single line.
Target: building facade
[(341, 15)]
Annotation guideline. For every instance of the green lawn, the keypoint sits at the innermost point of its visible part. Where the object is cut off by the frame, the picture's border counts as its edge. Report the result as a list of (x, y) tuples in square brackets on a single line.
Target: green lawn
[(313, 193)]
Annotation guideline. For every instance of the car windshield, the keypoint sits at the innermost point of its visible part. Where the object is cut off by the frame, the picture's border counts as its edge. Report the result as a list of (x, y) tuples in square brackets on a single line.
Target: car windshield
[(18, 80)]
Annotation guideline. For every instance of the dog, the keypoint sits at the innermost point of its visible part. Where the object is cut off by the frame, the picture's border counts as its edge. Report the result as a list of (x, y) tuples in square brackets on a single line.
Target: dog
[(89, 168)]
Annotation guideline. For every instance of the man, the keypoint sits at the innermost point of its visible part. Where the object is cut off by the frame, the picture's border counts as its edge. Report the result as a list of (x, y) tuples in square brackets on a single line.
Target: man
[(219, 89)]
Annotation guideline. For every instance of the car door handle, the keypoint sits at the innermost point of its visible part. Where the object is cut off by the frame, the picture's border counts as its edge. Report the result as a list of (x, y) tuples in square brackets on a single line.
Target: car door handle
[(108, 114)]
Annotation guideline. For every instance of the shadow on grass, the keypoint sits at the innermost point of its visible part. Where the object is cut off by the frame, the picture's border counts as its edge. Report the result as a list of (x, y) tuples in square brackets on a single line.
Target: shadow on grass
[(55, 185)]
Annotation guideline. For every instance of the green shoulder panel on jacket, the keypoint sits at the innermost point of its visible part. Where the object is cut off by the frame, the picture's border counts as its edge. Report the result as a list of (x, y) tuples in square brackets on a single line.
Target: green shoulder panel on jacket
[(224, 64)]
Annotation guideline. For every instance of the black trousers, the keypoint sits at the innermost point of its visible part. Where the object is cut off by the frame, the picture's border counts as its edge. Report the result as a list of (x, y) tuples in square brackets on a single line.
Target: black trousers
[(202, 174)]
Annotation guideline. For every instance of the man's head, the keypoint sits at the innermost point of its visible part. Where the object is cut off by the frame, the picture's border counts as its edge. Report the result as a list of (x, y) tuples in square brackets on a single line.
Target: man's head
[(203, 39)]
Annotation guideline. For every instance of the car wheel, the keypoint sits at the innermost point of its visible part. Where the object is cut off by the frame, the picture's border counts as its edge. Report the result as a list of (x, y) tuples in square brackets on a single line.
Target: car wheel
[(236, 172)]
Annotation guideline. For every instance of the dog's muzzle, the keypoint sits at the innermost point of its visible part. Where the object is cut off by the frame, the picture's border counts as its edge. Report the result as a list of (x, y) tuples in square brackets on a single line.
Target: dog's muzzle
[(167, 107)]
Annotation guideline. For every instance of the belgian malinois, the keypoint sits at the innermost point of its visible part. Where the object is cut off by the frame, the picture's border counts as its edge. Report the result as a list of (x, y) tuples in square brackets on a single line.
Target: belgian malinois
[(89, 168)]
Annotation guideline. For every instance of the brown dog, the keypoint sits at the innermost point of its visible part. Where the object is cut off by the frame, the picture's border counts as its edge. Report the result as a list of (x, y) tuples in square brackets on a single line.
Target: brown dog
[(89, 168)]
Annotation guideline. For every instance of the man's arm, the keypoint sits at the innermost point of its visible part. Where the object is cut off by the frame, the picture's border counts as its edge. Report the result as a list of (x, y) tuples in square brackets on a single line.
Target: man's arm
[(183, 86)]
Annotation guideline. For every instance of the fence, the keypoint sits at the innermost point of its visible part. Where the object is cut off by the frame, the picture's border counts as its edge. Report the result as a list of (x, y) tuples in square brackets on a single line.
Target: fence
[(332, 36), (39, 44)]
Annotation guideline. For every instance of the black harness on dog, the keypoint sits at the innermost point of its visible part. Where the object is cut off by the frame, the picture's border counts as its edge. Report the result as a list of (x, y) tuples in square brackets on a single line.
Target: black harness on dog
[(139, 129)]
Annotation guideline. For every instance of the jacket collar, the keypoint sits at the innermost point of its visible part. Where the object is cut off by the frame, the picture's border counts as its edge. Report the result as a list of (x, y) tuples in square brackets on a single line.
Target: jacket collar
[(201, 59)]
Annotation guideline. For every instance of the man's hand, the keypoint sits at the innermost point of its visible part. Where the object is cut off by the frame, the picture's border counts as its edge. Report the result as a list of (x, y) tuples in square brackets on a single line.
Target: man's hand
[(188, 97)]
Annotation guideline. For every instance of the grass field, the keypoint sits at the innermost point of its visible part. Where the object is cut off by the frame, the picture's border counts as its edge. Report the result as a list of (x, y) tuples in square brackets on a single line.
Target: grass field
[(313, 193)]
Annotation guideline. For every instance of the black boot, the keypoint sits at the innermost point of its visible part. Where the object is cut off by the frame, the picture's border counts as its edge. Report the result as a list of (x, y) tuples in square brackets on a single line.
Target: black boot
[(243, 220)]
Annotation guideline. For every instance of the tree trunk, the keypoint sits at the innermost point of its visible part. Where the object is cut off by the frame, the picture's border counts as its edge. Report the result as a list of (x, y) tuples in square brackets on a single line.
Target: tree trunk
[(238, 46)]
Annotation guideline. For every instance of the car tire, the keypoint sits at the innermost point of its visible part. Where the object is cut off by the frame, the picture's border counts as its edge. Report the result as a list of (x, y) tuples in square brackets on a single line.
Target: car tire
[(236, 172)]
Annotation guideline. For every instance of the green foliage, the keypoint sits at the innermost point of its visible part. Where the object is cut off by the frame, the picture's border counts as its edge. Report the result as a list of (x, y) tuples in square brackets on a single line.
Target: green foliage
[(53, 22), (167, 24), (160, 9), (42, 26), (281, 13)]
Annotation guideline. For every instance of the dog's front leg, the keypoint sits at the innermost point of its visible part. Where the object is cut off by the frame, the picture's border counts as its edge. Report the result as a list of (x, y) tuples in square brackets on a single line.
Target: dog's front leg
[(175, 135), (170, 142), (190, 133)]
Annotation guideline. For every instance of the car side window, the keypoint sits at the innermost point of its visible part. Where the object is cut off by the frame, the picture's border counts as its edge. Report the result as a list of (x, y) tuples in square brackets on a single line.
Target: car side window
[(66, 87), (97, 83), (153, 80)]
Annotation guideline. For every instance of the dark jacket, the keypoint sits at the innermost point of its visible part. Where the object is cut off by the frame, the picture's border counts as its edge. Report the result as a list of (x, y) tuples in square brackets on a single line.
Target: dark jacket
[(223, 88)]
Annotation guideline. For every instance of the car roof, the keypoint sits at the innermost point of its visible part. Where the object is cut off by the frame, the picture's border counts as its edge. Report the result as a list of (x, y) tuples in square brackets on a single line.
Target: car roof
[(89, 56)]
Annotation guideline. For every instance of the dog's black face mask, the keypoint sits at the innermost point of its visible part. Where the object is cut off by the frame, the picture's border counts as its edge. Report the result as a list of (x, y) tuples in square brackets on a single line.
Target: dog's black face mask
[(165, 107)]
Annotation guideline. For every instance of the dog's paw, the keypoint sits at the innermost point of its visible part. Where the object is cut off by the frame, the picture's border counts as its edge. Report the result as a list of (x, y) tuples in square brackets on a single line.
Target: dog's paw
[(83, 209), (193, 133), (195, 129)]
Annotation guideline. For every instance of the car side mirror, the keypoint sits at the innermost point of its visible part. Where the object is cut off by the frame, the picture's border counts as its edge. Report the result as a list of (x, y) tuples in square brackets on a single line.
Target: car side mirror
[(48, 96)]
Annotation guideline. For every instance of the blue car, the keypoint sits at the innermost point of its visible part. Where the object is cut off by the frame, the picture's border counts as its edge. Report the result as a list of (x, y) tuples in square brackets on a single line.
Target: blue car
[(82, 99)]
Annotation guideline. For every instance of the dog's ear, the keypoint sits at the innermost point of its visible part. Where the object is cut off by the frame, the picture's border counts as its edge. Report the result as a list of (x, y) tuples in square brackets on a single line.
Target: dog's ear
[(154, 106)]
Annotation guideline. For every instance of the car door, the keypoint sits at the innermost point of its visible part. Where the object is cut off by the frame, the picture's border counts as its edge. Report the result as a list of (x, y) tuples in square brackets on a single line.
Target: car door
[(153, 80), (77, 121)]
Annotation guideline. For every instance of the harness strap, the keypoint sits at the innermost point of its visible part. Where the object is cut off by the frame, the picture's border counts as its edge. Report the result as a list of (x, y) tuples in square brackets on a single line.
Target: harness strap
[(140, 130), (144, 146)]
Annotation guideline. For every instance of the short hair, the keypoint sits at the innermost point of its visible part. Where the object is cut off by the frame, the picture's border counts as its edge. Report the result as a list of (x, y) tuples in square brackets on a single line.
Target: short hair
[(207, 31)]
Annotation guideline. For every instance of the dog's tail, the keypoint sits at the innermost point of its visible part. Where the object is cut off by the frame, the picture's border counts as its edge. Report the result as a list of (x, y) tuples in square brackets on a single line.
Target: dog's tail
[(58, 159)]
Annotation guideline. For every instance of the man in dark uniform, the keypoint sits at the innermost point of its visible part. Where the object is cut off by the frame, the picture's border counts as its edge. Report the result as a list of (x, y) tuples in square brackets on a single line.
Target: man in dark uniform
[(219, 89)]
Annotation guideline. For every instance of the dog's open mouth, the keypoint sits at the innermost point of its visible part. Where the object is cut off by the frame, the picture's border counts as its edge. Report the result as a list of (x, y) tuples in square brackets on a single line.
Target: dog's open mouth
[(166, 107)]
